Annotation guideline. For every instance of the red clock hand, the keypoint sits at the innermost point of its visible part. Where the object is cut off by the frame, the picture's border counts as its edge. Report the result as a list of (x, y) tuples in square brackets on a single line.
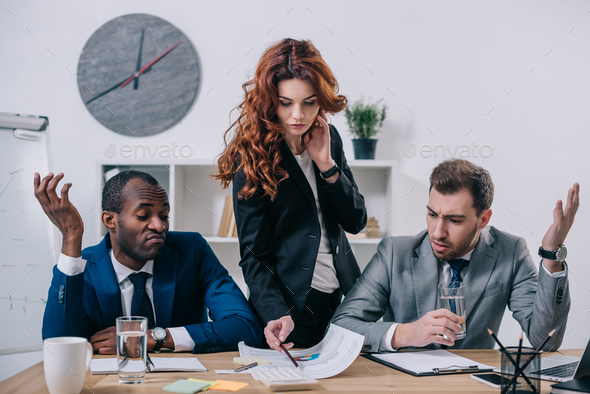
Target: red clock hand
[(138, 73)]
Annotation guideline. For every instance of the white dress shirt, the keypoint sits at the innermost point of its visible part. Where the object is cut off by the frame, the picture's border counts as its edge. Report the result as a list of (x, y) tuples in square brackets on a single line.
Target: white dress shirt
[(75, 265), (445, 274), (324, 273)]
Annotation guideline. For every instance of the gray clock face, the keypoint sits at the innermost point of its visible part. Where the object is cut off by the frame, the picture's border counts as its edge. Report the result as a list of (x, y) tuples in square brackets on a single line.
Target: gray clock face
[(164, 63)]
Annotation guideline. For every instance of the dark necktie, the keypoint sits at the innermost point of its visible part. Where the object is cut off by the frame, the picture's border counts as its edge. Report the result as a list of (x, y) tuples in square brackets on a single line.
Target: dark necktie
[(456, 267), (141, 304)]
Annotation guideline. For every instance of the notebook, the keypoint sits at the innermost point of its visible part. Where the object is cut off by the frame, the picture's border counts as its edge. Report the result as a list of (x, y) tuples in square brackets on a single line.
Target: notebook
[(581, 385), (102, 366)]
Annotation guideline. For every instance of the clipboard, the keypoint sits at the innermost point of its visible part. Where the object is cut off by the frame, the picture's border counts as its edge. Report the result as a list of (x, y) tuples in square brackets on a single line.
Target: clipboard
[(429, 363)]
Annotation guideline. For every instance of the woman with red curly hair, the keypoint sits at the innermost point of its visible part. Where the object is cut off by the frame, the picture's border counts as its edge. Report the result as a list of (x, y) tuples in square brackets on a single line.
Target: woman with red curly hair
[(293, 194)]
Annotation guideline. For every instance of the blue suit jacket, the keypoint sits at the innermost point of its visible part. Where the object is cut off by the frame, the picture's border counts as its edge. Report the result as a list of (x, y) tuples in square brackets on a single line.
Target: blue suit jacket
[(188, 279)]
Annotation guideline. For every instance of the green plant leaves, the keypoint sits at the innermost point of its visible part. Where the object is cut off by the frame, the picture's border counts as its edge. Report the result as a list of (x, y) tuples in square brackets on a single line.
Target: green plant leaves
[(363, 119)]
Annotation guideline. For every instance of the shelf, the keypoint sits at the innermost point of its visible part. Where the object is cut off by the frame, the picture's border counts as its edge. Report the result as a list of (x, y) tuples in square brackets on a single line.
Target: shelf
[(364, 241), (197, 201), (376, 164), (221, 240), (232, 240)]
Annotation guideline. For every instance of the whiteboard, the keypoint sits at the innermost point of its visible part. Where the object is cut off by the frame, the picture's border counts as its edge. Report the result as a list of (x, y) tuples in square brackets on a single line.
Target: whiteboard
[(27, 243)]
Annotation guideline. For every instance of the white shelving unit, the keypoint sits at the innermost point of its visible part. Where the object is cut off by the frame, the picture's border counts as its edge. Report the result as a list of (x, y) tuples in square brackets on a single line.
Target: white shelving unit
[(197, 202)]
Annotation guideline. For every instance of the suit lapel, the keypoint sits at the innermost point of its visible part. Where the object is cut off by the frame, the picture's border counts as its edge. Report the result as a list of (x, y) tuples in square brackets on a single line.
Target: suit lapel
[(479, 270), (106, 285), (425, 277), (319, 187), (163, 285), (289, 163)]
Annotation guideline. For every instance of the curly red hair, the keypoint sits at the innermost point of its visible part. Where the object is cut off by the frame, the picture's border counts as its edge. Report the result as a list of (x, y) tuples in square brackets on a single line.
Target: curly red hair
[(256, 146)]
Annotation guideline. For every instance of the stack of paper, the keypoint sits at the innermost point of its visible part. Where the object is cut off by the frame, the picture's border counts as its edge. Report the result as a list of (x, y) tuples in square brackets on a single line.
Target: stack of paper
[(339, 348)]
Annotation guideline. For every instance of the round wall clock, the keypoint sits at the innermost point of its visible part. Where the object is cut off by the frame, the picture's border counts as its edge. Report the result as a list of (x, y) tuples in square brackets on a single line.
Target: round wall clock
[(138, 75)]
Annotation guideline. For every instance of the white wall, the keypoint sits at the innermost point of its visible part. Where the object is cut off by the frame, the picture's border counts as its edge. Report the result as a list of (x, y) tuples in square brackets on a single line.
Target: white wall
[(512, 75)]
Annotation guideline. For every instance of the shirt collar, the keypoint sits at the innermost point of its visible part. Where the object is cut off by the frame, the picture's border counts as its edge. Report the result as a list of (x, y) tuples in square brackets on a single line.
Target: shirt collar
[(123, 272), (304, 156), (467, 256)]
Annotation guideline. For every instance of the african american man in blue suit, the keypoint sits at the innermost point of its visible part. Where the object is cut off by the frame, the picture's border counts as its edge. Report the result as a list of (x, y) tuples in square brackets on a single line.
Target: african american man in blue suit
[(139, 268)]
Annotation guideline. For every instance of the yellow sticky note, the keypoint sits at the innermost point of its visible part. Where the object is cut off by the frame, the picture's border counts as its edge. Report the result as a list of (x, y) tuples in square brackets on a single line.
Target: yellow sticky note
[(211, 384), (229, 385), (250, 360)]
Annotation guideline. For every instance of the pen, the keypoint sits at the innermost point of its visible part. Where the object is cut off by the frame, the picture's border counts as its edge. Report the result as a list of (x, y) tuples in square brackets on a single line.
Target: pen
[(289, 355), (149, 362), (245, 367)]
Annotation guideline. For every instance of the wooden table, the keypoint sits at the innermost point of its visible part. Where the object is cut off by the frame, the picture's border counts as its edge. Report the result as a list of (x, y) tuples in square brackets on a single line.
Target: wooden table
[(362, 376)]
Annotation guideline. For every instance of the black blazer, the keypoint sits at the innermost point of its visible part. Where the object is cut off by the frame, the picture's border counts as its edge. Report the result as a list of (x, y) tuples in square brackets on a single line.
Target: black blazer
[(279, 240)]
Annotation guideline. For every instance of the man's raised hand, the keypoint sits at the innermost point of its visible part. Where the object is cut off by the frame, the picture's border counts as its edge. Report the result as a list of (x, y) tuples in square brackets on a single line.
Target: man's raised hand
[(563, 219), (62, 213)]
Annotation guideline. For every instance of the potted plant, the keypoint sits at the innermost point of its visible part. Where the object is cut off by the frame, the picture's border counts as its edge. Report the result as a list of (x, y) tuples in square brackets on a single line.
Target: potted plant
[(364, 121)]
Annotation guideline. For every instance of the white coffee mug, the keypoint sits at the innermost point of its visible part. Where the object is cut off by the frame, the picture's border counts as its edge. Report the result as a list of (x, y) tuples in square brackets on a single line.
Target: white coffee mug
[(66, 360)]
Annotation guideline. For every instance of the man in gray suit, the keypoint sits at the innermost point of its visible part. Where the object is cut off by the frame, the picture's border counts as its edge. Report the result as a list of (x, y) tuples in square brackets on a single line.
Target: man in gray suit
[(400, 282)]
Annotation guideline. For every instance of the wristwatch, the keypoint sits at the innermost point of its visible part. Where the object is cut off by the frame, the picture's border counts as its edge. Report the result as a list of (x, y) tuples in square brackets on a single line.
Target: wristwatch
[(159, 335), (560, 254), (330, 172)]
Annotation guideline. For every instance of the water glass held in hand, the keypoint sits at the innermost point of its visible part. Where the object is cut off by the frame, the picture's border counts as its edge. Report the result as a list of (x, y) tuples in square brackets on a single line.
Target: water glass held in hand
[(451, 295)]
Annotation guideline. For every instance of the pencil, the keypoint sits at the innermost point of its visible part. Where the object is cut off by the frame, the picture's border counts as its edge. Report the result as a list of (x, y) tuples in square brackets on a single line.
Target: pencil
[(509, 357), (289, 355), (518, 355), (528, 361), (502, 348)]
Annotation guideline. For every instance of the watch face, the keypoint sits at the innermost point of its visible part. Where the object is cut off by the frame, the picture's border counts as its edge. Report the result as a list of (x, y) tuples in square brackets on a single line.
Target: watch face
[(159, 334), (138, 75), (561, 253)]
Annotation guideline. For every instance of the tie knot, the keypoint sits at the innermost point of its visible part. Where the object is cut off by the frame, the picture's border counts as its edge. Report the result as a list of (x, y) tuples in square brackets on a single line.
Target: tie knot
[(456, 266), (139, 279)]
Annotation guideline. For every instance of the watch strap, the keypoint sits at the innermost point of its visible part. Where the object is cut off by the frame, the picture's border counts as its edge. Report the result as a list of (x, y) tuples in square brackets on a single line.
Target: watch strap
[(330, 172), (547, 254), (159, 343), (560, 254), (158, 346)]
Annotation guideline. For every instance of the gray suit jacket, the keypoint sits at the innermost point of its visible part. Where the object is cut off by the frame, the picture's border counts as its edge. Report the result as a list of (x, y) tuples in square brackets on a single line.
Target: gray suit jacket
[(400, 285)]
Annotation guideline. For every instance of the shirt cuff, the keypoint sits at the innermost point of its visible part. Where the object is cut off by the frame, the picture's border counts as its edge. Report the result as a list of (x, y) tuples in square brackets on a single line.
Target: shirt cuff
[(182, 340), (559, 274), (385, 344), (71, 266)]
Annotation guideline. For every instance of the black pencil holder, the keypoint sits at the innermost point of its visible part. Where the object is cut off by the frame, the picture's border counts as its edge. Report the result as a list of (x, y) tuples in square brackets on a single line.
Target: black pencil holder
[(530, 382)]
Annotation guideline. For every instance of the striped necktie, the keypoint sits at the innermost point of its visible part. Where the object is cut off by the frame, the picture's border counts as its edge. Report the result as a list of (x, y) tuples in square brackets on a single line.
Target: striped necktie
[(456, 267)]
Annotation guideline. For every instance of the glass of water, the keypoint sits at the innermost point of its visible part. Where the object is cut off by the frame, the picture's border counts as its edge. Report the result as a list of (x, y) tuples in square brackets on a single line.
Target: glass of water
[(131, 348), (452, 297)]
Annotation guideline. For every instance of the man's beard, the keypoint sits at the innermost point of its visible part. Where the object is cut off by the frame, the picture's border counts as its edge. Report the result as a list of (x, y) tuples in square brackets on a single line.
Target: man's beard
[(459, 251)]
